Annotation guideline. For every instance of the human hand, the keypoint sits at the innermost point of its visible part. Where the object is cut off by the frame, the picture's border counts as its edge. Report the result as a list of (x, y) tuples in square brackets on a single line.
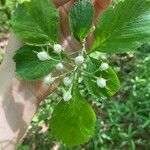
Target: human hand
[(19, 99)]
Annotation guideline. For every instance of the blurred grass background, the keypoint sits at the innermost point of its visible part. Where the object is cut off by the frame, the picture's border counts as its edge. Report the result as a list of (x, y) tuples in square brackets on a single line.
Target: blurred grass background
[(123, 121)]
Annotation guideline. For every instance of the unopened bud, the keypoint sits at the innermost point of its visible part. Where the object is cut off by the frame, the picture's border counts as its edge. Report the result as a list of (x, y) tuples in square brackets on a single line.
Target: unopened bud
[(104, 66), (101, 82), (67, 96), (58, 48), (59, 66), (48, 80), (79, 60), (67, 81), (43, 56)]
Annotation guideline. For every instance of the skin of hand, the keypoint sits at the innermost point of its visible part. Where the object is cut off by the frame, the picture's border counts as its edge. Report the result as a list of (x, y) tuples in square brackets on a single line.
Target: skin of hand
[(19, 99)]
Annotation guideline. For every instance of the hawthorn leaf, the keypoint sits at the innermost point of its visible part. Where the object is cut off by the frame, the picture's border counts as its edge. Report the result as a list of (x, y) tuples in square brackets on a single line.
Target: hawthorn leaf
[(36, 22), (81, 18), (123, 27), (30, 67), (112, 81), (73, 122)]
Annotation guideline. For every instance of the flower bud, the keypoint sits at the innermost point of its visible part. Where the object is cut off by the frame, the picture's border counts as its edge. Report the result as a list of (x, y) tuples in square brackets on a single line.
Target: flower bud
[(67, 96), (58, 48), (104, 66), (43, 56), (48, 80), (79, 60), (101, 82), (67, 81), (59, 66)]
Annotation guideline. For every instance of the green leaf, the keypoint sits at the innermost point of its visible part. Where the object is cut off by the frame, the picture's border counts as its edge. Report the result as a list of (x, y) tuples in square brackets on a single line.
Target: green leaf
[(29, 67), (123, 27), (73, 122), (36, 22), (112, 81), (81, 18)]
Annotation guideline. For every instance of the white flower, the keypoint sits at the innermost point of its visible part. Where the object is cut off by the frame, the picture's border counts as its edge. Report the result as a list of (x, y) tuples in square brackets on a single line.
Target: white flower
[(48, 80), (67, 96), (59, 66), (58, 48), (101, 82), (79, 60), (104, 66), (43, 56), (67, 81)]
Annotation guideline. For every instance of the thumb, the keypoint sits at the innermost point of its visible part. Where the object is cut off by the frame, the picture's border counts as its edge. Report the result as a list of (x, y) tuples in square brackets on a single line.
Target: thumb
[(100, 6)]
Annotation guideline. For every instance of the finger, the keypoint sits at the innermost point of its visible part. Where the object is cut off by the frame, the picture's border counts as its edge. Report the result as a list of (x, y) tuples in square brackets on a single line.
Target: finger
[(42, 91), (100, 6), (89, 41), (64, 19), (66, 37), (59, 3)]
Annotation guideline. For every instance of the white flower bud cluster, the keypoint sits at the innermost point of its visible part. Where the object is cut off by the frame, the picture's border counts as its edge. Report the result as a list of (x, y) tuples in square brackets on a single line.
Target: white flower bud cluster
[(58, 48), (43, 56), (79, 60), (67, 81), (101, 82), (48, 80), (67, 96), (59, 66)]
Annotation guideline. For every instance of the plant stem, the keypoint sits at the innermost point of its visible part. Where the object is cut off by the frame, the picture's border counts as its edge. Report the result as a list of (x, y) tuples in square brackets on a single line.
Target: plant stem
[(64, 74)]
